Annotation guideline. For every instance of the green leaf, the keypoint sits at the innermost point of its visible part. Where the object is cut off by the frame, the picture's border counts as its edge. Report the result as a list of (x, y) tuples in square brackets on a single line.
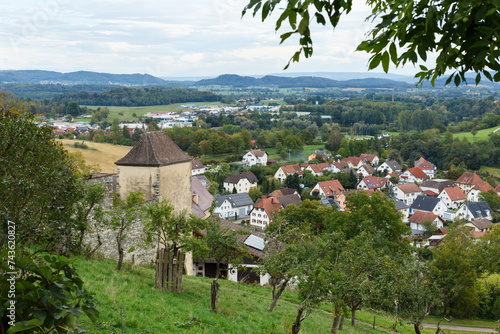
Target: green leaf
[(363, 46), (375, 61), (385, 61), (285, 36), (457, 80), (320, 18), (304, 23), (393, 53), (496, 77), (478, 78), (449, 79), (24, 325), (488, 75)]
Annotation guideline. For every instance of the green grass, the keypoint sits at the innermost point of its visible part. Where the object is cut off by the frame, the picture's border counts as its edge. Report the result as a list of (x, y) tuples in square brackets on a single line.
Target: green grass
[(302, 156), (241, 309), (480, 135), (463, 322), (126, 113)]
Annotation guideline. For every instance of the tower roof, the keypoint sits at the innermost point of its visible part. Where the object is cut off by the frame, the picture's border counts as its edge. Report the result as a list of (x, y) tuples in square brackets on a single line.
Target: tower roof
[(154, 149)]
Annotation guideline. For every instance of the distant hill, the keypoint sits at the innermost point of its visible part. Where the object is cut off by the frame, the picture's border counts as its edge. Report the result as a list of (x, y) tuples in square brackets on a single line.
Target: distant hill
[(306, 81), (82, 77)]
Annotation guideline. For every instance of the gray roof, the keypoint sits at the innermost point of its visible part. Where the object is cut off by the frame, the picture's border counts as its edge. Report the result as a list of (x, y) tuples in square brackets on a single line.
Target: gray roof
[(235, 178), (236, 200), (330, 202), (479, 209), (204, 197), (400, 205), (395, 166), (437, 184), (425, 203)]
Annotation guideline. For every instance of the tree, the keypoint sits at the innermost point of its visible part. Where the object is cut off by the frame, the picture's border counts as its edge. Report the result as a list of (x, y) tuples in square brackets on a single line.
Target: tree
[(334, 140), (174, 235), (39, 185), (454, 272), (120, 218), (221, 246), (293, 181), (463, 34), (254, 194), (72, 108)]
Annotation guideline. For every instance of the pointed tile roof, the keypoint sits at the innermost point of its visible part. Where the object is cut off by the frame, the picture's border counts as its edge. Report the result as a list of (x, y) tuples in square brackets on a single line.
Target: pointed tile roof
[(417, 172), (331, 187), (154, 149), (408, 188), (497, 189), (469, 178), (455, 193), (483, 187), (419, 217)]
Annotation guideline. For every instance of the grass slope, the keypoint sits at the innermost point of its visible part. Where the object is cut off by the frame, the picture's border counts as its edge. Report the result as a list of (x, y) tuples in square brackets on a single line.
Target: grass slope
[(480, 135), (242, 309), (102, 154)]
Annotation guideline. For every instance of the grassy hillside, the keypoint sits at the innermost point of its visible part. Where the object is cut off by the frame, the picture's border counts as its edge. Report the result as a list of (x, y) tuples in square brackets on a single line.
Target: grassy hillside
[(480, 135), (242, 309), (100, 154)]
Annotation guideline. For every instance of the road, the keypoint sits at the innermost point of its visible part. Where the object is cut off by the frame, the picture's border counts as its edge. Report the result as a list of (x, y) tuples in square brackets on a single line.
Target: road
[(464, 329)]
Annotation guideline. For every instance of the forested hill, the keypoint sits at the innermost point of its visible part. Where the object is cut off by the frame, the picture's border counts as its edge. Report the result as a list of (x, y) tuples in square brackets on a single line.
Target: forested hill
[(137, 97), (311, 82), (80, 77)]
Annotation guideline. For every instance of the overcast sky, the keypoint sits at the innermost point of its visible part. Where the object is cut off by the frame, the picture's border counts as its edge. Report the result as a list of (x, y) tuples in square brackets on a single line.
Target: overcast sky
[(167, 39)]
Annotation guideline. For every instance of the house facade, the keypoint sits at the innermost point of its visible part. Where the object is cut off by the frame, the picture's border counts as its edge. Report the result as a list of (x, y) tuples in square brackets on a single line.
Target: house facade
[(233, 206), (468, 181), (284, 171), (407, 193), (474, 211), (389, 167), (255, 157), (428, 204), (241, 182), (417, 220), (412, 175), (373, 159), (197, 167), (427, 167), (373, 182)]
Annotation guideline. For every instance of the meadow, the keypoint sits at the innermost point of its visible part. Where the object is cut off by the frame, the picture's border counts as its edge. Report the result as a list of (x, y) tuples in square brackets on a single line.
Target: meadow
[(480, 135)]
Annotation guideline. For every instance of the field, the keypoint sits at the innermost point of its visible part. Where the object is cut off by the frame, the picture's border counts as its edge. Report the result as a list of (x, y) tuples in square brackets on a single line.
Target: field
[(100, 154), (126, 113), (242, 308), (480, 135)]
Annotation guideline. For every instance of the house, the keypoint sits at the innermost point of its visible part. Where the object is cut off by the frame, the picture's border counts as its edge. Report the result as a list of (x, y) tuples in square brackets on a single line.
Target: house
[(263, 211), (474, 210), (233, 206), (452, 197), (407, 192), (373, 182), (204, 181), (336, 167), (467, 181), (241, 182), (497, 189), (284, 171), (333, 189), (255, 157), (317, 169), (389, 166), (403, 208), (366, 170), (265, 208), (283, 192), (436, 185), (479, 225), (197, 167), (427, 167), (412, 175), (202, 199), (353, 162), (428, 204), (253, 241), (371, 158), (484, 187), (417, 220), (322, 153)]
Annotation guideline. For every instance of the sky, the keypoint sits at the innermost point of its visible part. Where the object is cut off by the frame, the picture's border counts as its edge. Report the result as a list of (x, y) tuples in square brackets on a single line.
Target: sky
[(168, 38)]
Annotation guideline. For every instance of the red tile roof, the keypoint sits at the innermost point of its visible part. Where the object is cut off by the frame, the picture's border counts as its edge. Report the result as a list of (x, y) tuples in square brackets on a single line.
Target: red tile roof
[(483, 187), (424, 164), (331, 187), (258, 153), (497, 189), (375, 182), (270, 205), (292, 169), (417, 172), (409, 188), (419, 217), (469, 178), (455, 193), (367, 156), (430, 193)]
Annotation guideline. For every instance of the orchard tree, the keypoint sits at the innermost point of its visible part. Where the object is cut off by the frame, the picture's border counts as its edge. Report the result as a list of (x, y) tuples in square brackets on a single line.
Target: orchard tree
[(463, 34), (174, 234)]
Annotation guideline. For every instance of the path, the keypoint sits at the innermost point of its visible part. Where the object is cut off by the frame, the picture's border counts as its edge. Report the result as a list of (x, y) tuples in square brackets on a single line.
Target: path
[(496, 130), (461, 328)]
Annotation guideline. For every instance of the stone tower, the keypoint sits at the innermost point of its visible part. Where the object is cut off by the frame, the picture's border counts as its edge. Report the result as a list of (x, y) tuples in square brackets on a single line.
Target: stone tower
[(158, 168)]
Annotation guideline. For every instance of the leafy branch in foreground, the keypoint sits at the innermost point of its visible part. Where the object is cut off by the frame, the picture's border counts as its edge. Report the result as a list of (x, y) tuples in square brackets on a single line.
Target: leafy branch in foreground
[(463, 34)]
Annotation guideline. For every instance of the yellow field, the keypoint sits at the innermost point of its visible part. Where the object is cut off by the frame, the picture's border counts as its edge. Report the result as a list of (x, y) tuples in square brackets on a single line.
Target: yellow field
[(105, 155)]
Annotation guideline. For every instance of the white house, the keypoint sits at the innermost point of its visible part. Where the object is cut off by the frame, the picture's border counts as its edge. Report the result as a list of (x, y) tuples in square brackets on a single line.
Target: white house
[(373, 182), (417, 220), (255, 157), (197, 167), (242, 182), (366, 170), (389, 167), (371, 158), (263, 211), (233, 206), (474, 210), (407, 192), (412, 175), (427, 167), (453, 197), (473, 195), (317, 169), (284, 171), (428, 204)]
